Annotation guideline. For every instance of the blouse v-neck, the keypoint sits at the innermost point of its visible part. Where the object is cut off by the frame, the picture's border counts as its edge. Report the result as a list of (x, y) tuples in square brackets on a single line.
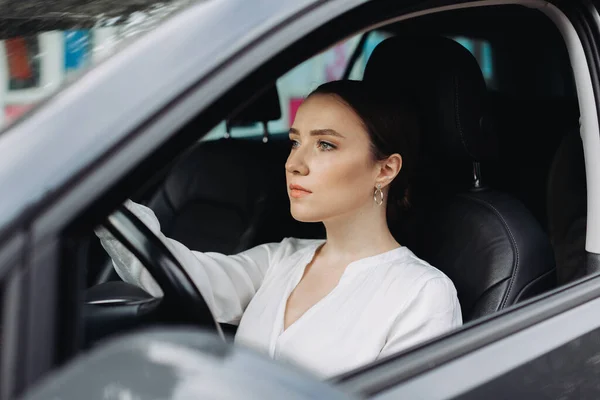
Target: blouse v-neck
[(299, 272)]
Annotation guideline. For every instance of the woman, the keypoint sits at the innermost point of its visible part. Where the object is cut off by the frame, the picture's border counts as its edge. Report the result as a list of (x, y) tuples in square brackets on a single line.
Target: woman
[(330, 305)]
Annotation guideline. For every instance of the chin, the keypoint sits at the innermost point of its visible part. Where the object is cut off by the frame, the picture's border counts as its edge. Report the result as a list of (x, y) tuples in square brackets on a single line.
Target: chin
[(303, 214)]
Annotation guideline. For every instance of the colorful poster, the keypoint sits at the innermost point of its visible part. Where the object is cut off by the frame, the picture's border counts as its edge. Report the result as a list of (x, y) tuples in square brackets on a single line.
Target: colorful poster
[(77, 44)]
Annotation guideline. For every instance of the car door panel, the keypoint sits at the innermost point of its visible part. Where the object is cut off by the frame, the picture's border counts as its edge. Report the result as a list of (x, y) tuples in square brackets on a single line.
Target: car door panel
[(569, 371), (520, 356)]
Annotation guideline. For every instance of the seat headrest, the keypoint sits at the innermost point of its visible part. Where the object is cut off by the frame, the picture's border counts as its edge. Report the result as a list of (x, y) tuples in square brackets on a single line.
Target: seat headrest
[(263, 107), (445, 81)]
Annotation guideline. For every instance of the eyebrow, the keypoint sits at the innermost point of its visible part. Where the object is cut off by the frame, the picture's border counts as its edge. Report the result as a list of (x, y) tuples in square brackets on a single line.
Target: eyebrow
[(319, 132)]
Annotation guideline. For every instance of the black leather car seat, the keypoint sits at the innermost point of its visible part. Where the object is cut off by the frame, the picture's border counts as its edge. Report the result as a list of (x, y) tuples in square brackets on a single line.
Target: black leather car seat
[(213, 198), (486, 241)]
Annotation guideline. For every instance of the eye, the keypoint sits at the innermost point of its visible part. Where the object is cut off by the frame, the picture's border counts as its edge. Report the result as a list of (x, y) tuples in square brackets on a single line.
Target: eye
[(295, 144), (325, 146)]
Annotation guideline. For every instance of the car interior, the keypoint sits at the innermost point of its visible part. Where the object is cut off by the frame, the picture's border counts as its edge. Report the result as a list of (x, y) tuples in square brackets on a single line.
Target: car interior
[(498, 200)]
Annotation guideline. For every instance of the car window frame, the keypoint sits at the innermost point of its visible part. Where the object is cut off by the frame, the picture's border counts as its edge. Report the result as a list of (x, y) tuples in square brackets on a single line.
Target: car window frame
[(14, 318), (185, 108)]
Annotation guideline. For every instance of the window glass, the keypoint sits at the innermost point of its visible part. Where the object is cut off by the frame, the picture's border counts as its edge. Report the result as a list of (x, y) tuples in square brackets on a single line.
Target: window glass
[(35, 64), (330, 65), (295, 85), (373, 39), (482, 51)]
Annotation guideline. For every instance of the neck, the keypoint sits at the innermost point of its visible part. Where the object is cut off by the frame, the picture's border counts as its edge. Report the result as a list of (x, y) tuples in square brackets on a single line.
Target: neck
[(363, 233)]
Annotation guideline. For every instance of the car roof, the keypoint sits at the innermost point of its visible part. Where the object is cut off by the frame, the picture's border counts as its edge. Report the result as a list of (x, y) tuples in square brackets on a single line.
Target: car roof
[(42, 153)]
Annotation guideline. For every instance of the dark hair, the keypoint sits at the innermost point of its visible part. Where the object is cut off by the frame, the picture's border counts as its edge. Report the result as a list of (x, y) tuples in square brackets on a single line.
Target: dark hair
[(392, 124)]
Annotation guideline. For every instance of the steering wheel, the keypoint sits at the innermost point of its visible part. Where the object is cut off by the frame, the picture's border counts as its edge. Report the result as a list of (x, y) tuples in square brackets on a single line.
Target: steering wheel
[(113, 307)]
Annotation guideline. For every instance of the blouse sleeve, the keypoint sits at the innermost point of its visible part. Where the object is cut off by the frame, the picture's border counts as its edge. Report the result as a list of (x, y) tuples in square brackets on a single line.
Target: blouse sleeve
[(227, 283), (434, 311)]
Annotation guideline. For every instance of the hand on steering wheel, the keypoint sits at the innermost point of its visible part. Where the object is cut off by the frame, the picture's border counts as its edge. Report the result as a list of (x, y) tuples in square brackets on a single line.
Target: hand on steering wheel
[(182, 298)]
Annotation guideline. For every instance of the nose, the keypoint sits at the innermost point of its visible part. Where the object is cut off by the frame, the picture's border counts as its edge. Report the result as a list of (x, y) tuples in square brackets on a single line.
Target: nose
[(296, 162)]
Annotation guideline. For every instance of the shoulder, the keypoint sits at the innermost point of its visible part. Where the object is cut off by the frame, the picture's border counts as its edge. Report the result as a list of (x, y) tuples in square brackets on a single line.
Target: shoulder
[(288, 249), (412, 280), (297, 244), (409, 268), (290, 246)]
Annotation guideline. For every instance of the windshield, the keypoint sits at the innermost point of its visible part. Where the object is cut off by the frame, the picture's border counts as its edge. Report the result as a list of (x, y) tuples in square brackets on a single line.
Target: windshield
[(45, 44)]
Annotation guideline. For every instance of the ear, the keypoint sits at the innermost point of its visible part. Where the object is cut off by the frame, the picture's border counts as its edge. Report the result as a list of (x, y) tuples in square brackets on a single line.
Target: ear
[(388, 169)]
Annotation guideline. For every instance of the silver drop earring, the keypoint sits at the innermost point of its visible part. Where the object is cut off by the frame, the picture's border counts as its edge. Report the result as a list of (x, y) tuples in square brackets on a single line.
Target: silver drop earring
[(378, 195)]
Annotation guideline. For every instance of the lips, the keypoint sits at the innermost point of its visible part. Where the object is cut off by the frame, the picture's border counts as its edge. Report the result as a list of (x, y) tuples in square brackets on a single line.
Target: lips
[(297, 191)]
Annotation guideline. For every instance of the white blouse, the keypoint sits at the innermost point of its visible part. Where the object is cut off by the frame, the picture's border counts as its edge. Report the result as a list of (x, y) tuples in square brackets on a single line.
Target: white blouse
[(381, 305)]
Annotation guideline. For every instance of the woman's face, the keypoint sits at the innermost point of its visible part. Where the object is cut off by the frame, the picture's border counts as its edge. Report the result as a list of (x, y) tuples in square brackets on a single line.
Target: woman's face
[(330, 170)]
